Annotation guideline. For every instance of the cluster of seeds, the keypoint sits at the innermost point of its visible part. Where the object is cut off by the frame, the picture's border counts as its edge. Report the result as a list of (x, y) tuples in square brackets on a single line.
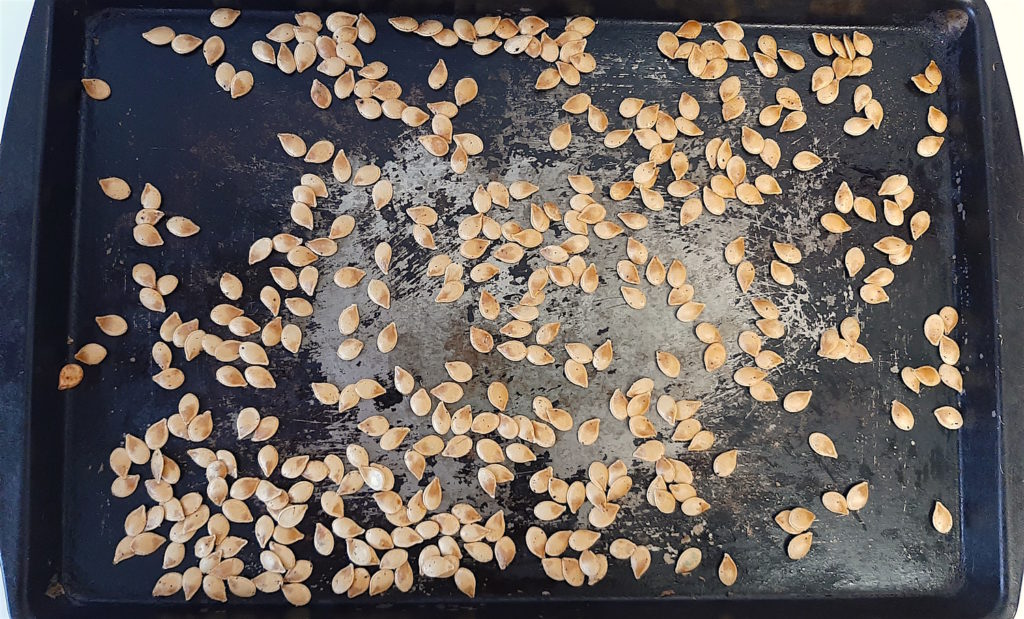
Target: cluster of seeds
[(381, 558), (237, 83), (709, 60), (928, 82), (145, 231), (527, 36), (851, 59), (897, 196), (937, 328), (864, 102)]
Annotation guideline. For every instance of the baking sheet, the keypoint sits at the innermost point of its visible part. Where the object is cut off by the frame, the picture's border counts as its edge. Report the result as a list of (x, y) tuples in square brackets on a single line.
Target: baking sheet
[(218, 162)]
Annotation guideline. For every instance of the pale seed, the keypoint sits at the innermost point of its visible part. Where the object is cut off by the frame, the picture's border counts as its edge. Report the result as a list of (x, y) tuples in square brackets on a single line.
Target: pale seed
[(560, 137), (160, 35), (115, 188), (727, 571), (668, 364), (185, 43), (640, 561), (950, 376), (929, 146), (835, 503), (725, 463), (949, 418), (799, 546), (942, 520), (822, 445), (241, 83), (465, 91), (857, 496), (796, 401), (805, 161)]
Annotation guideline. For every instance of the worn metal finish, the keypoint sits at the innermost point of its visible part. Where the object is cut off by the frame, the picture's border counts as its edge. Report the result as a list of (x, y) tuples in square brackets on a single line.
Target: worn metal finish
[(218, 162)]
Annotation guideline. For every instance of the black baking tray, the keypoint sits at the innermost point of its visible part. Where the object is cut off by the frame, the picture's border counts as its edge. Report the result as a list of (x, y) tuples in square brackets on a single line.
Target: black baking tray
[(65, 256)]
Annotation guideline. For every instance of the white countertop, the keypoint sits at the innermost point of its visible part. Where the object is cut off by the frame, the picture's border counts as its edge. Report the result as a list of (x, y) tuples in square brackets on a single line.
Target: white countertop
[(1008, 15)]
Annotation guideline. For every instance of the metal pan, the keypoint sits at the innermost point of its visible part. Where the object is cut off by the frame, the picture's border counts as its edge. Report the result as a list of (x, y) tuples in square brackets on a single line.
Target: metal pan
[(66, 255)]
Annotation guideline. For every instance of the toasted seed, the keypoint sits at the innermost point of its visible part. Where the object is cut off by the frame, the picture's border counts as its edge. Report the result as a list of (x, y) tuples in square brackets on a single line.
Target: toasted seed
[(634, 297), (548, 510), (668, 363), (781, 273), (942, 520), (929, 146), (689, 311), (835, 503), (822, 445), (893, 213), (857, 125), (224, 17), (933, 74), (438, 75), (796, 401), (919, 224), (861, 96), (560, 137), (465, 91), (91, 354), (70, 376), (727, 570), (873, 294), (854, 261), (936, 119), (182, 226), (830, 91), (115, 188), (640, 561), (96, 88), (241, 84), (949, 418), (949, 318), (881, 277), (787, 252), (950, 376), (792, 59), (910, 379), (349, 348), (857, 496), (296, 593), (725, 463), (185, 43), (902, 418), (799, 546), (793, 121), (806, 160), (893, 185), (733, 108), (795, 521), (577, 104), (770, 115), (603, 356), (160, 35), (650, 451), (213, 50)]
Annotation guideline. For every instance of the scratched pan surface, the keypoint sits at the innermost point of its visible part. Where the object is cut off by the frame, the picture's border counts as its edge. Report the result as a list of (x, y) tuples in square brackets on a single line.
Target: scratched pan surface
[(218, 162)]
